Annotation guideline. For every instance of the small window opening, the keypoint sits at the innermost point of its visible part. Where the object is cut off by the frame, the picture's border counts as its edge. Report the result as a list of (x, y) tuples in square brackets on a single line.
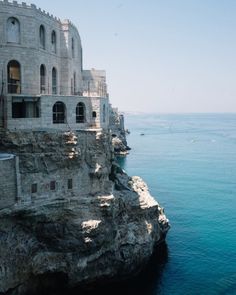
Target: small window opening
[(53, 41), (73, 47), (71, 86), (94, 114), (34, 188), (74, 86), (53, 185), (42, 79), (42, 37), (54, 81), (70, 183), (104, 113)]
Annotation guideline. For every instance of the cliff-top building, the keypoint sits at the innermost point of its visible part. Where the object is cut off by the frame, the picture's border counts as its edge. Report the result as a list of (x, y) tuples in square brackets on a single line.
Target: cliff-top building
[(42, 81), (69, 215), (44, 93)]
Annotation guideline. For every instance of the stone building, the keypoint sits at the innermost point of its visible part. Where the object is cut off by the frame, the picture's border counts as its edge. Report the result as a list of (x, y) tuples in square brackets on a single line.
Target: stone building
[(42, 81), (53, 113), (9, 172)]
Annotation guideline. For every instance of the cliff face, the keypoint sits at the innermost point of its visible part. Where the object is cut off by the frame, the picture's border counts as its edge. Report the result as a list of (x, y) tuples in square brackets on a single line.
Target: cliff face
[(104, 228), (116, 123)]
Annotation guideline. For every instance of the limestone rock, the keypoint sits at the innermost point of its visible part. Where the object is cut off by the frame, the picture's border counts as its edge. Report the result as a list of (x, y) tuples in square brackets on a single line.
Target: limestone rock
[(105, 229), (118, 133)]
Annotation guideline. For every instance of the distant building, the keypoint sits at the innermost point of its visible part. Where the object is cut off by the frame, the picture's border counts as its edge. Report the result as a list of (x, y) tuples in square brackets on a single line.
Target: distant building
[(42, 81)]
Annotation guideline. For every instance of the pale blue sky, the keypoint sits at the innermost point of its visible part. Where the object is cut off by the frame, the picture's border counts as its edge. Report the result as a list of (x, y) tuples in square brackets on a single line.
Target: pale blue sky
[(159, 55)]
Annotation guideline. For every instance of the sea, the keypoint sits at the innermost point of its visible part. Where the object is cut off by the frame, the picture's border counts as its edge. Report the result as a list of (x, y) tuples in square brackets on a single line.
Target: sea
[(189, 164)]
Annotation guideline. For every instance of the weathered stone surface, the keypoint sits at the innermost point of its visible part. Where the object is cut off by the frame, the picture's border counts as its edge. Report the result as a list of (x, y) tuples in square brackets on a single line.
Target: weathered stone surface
[(87, 239), (106, 228), (116, 124)]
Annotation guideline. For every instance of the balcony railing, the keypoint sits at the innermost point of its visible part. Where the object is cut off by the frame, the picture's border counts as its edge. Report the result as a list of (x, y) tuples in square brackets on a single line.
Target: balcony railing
[(34, 89)]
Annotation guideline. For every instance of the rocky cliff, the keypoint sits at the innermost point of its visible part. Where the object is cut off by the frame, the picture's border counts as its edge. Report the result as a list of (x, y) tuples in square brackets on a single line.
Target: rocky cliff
[(104, 228), (118, 132)]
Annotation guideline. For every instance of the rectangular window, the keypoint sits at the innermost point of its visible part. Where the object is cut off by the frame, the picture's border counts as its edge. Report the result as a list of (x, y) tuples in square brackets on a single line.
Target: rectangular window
[(53, 185), (25, 107), (70, 184), (34, 188)]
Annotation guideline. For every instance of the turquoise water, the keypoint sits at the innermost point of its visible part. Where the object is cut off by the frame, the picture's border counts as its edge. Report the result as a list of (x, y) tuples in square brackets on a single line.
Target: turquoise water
[(189, 164)]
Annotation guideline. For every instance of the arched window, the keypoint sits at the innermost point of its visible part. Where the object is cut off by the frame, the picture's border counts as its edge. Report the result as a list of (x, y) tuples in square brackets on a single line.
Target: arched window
[(59, 112), (94, 114), (13, 30), (74, 86), (42, 37), (42, 79), (73, 47), (80, 113), (54, 41), (54, 81), (13, 77), (104, 113)]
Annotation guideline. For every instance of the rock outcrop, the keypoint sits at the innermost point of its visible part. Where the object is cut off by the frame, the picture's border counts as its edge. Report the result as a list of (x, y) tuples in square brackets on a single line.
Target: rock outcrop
[(105, 229), (118, 133)]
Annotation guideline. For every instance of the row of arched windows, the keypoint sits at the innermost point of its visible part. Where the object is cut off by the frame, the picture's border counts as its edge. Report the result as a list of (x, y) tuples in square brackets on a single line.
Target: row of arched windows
[(14, 78), (42, 39), (59, 112), (43, 80), (14, 32)]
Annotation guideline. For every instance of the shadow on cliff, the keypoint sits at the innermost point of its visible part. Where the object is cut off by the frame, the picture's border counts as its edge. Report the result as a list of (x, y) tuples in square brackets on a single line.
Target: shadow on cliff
[(121, 160), (147, 282)]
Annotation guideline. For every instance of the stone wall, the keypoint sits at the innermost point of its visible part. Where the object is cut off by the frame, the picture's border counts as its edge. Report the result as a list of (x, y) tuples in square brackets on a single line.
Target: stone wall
[(8, 183), (56, 164), (30, 55), (45, 121), (117, 127), (94, 83), (71, 80), (78, 215)]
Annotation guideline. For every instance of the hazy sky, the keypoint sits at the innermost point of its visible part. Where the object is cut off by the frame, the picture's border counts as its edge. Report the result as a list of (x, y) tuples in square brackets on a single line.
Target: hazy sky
[(159, 55)]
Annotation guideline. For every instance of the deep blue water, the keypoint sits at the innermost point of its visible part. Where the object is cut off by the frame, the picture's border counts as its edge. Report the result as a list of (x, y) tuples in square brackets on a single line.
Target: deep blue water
[(189, 164)]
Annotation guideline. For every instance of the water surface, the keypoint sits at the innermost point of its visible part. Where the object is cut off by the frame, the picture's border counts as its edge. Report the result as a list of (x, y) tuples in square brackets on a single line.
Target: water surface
[(189, 164)]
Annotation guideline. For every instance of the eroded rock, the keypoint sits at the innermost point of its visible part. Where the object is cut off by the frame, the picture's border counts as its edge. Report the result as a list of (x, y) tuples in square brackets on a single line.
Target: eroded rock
[(106, 229)]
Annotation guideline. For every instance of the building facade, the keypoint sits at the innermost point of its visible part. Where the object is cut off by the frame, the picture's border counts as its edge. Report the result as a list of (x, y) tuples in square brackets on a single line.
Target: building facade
[(43, 84)]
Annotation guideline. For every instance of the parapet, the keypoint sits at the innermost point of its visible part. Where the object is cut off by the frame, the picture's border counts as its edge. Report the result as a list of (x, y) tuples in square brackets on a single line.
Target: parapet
[(94, 74), (31, 6), (38, 10)]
